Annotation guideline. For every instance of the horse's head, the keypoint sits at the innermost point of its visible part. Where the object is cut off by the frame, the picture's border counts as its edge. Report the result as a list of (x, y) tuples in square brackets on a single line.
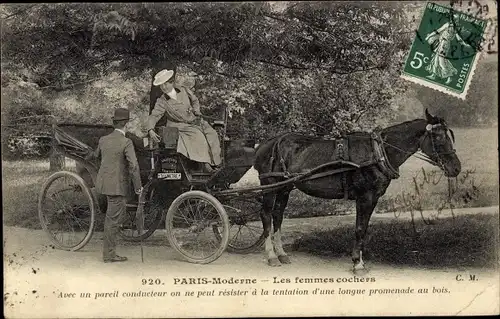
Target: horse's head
[(437, 144)]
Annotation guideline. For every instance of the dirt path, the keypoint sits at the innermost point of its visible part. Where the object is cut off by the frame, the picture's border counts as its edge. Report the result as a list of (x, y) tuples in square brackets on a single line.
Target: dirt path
[(36, 274)]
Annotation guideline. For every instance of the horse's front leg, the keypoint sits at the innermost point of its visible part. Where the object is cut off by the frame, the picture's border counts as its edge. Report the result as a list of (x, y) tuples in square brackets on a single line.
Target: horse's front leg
[(365, 205), (280, 205), (266, 214)]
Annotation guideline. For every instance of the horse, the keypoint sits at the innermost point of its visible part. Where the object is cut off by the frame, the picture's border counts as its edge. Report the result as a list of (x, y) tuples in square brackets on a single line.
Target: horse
[(290, 154)]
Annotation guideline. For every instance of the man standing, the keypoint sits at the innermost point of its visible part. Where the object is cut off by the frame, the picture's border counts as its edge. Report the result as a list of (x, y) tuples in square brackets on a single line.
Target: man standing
[(198, 141), (118, 165)]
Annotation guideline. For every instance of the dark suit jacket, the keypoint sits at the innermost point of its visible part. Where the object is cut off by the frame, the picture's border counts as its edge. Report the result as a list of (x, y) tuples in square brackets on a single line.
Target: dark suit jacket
[(118, 165)]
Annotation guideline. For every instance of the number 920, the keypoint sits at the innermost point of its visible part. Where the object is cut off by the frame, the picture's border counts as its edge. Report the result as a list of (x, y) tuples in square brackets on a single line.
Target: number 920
[(151, 281)]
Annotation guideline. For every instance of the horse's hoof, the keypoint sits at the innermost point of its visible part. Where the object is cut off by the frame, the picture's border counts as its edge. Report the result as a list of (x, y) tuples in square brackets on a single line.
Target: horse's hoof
[(359, 266), (273, 262), (284, 259), (360, 272), (359, 269)]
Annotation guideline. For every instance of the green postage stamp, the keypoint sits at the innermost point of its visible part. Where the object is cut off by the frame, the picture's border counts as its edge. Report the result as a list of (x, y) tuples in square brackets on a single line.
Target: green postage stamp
[(445, 50)]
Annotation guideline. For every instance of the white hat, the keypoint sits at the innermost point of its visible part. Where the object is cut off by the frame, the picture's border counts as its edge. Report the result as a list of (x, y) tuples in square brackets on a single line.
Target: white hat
[(162, 77)]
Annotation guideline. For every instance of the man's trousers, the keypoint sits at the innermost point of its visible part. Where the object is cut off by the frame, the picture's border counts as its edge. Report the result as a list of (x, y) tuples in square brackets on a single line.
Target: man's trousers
[(115, 214)]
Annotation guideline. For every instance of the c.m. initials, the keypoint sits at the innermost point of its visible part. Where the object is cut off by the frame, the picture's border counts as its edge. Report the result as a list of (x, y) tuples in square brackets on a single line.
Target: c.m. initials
[(460, 277)]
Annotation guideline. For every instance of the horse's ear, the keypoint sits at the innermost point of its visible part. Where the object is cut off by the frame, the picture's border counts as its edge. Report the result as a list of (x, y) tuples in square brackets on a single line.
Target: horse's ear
[(452, 135), (428, 117)]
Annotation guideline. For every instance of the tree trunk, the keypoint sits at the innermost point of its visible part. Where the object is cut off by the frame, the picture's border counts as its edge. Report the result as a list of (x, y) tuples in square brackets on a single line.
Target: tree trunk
[(56, 159)]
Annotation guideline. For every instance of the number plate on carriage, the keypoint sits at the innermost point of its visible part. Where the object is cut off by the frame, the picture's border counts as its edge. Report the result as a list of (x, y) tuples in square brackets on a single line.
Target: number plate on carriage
[(174, 176)]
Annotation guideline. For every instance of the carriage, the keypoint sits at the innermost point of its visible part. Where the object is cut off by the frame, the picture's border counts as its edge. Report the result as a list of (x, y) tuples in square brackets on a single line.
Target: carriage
[(203, 216)]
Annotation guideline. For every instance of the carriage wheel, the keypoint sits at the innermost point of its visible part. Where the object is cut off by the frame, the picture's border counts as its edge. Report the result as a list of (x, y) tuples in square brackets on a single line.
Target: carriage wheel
[(66, 209), (189, 225), (153, 213), (246, 233)]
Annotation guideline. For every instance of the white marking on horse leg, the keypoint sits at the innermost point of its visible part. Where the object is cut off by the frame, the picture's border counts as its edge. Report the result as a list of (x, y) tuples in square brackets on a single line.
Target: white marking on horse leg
[(278, 247), (269, 247), (272, 259), (278, 244), (360, 265)]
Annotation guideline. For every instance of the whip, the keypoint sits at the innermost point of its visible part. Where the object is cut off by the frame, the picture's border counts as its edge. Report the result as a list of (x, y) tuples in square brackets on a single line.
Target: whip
[(139, 214), (139, 219)]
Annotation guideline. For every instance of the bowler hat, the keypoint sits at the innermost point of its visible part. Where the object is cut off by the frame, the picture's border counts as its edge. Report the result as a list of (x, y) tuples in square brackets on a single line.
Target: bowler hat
[(121, 114)]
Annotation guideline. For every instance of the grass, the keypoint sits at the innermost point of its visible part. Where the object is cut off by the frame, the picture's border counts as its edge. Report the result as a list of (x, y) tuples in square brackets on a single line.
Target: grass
[(21, 183), (463, 241)]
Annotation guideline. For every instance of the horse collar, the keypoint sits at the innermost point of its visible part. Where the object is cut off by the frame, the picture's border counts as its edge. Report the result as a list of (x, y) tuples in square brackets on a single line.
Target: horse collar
[(383, 159)]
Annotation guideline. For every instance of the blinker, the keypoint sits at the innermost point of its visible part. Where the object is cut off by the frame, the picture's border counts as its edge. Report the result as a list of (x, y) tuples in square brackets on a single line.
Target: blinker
[(429, 127)]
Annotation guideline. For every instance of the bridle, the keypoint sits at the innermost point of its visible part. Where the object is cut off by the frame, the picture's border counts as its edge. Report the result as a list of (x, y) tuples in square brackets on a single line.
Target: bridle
[(428, 133)]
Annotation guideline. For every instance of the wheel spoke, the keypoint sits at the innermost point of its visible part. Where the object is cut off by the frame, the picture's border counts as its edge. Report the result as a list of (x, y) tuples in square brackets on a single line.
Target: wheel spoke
[(253, 227), (194, 213), (252, 231), (236, 235), (187, 219)]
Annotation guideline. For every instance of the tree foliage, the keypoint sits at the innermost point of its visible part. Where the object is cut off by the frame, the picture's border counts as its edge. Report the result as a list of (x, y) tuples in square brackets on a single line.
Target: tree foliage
[(311, 66)]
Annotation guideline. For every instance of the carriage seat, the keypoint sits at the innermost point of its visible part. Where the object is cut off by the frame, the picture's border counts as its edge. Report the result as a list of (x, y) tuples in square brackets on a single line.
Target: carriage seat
[(217, 124)]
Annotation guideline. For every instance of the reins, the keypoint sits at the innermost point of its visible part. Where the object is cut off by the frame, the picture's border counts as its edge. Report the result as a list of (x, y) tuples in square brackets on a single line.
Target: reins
[(423, 156), (420, 156)]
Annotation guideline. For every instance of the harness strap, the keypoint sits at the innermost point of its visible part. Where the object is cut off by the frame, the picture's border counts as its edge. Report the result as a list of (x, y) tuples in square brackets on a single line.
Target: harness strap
[(381, 157), (277, 152), (341, 153), (278, 174), (328, 173)]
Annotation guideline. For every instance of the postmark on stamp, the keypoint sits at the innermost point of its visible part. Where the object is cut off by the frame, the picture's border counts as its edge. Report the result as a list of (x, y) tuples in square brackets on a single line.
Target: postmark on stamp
[(446, 50)]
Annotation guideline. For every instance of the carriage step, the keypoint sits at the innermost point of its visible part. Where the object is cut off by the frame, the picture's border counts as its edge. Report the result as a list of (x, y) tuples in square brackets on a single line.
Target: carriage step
[(200, 178)]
